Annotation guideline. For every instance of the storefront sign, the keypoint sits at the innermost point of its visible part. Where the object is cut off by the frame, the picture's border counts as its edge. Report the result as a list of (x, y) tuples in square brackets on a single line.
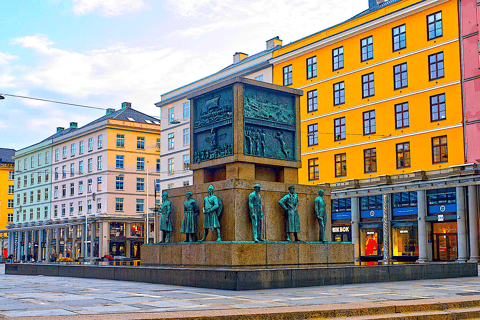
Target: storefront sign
[(403, 231), (340, 229), (440, 217)]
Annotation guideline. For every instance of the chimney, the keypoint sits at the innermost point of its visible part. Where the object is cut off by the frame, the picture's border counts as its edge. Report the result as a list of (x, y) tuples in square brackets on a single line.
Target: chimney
[(273, 42), (380, 1), (110, 111), (239, 56), (60, 129), (126, 105), (73, 125), (372, 4)]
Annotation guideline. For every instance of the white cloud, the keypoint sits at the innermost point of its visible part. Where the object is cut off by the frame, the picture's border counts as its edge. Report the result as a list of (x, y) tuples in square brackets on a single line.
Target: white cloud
[(107, 7), (39, 42), (6, 57)]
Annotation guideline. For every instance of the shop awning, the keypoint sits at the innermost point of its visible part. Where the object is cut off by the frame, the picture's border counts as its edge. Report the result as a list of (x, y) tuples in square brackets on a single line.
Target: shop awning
[(371, 226), (404, 224)]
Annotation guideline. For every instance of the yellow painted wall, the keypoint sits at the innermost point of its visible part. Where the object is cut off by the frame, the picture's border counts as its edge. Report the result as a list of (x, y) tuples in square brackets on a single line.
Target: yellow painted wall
[(416, 94), (4, 196)]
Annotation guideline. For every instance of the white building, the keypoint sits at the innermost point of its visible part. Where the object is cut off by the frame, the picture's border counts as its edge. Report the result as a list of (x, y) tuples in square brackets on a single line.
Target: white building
[(175, 113)]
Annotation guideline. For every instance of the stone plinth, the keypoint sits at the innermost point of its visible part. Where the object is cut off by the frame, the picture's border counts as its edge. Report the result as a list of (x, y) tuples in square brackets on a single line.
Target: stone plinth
[(248, 254)]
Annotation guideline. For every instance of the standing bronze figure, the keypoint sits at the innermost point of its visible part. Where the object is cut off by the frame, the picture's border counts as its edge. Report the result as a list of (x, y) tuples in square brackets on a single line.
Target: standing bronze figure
[(165, 221), (189, 222), (256, 212), (321, 213), (212, 208), (290, 204)]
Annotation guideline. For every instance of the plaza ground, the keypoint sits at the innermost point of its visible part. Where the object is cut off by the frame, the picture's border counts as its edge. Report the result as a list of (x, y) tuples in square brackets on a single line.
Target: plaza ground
[(27, 296)]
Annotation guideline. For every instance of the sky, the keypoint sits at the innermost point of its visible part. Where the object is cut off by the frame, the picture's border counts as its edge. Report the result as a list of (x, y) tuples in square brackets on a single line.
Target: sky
[(103, 52)]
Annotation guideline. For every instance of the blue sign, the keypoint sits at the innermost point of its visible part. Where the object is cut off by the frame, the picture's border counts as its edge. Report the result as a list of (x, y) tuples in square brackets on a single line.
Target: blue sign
[(342, 215), (443, 208), (405, 211), (371, 213)]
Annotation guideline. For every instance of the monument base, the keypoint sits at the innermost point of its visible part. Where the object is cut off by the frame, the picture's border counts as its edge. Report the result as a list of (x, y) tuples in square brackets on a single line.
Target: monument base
[(247, 254)]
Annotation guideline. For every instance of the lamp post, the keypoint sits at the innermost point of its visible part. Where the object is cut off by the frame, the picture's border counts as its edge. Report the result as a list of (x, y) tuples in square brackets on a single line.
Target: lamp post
[(148, 222)]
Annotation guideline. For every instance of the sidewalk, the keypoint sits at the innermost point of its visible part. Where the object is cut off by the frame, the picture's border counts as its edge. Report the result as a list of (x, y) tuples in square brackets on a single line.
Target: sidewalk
[(26, 296)]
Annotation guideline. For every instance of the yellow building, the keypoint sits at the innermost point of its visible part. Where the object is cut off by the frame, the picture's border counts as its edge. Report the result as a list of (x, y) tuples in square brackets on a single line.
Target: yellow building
[(382, 92), (6, 194)]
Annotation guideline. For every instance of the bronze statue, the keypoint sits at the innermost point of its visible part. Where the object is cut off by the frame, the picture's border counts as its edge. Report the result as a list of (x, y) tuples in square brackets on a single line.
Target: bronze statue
[(290, 204), (212, 208), (256, 212), (189, 222), (165, 221), (321, 213)]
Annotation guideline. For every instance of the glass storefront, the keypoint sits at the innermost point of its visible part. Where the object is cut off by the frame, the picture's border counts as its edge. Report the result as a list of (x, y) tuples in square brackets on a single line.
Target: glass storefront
[(371, 244), (137, 229), (117, 229), (444, 240), (405, 243), (341, 233)]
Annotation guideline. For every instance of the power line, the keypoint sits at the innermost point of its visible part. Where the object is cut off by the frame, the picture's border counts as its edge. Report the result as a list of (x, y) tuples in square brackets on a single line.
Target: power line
[(53, 101)]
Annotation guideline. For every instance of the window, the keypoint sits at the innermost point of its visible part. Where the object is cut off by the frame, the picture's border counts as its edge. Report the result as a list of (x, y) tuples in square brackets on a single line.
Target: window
[(25, 180), (401, 115), (100, 142), (287, 75), (46, 176), (369, 122), (32, 179), (24, 197), (89, 206), (18, 182), (31, 196), (157, 185), (339, 128), (89, 185), (313, 169), (370, 160), (55, 211), (119, 182), (64, 190), (80, 187), (312, 101), (10, 204), (72, 150), (371, 202), (340, 165), (186, 136), (39, 177), (259, 78), (32, 161), (9, 217), (186, 162), (312, 67), (80, 207), (171, 115), (140, 184), (159, 145), (337, 58), (99, 204), (39, 160), (439, 149), (56, 173), (435, 66), (438, 110), (186, 110), (403, 155), (368, 85), (19, 165), (65, 152), (31, 214), (10, 189), (399, 38), (99, 184), (434, 25), (80, 167), (400, 76), (39, 195), (11, 175), (120, 140), (119, 163), (141, 143), (157, 167), (118, 204), (25, 163), (45, 212), (170, 186), (170, 166), (64, 172), (99, 163), (71, 208), (90, 144), (441, 196), (80, 147), (72, 169), (90, 165), (46, 194), (47, 157), (38, 213), (55, 192), (339, 93), (171, 141), (366, 46), (140, 163), (313, 134), (140, 205)]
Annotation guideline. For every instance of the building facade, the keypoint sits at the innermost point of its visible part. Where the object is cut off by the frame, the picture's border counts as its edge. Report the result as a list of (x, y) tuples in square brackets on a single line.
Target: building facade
[(7, 188), (102, 180), (174, 163)]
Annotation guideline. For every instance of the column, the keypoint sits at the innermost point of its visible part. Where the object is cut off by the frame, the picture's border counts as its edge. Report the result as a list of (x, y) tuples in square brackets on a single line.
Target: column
[(422, 226), (473, 222), (74, 242), (25, 243), (19, 245), (356, 228), (65, 240), (461, 225), (104, 238), (128, 243), (57, 241), (83, 247), (92, 239), (387, 227), (47, 244), (10, 243), (40, 241)]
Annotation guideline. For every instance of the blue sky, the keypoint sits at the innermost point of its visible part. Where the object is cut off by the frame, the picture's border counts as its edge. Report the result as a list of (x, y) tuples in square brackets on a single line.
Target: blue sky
[(103, 52)]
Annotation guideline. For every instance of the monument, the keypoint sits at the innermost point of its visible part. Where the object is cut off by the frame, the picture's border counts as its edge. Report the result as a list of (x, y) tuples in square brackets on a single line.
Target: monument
[(246, 133)]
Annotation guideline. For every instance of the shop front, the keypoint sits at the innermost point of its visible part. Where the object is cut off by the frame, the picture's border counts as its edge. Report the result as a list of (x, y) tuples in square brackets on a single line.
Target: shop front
[(405, 226), (371, 228), (341, 220)]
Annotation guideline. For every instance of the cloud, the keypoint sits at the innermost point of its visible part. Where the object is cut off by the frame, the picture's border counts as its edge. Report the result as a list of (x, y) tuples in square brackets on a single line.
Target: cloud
[(107, 7), (6, 57), (39, 42)]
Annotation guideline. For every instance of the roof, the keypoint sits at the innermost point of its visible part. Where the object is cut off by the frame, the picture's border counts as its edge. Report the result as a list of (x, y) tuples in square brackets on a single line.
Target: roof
[(126, 114), (59, 134), (6, 155)]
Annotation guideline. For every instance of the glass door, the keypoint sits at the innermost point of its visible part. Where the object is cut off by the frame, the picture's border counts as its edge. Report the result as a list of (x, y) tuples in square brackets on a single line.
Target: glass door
[(445, 247)]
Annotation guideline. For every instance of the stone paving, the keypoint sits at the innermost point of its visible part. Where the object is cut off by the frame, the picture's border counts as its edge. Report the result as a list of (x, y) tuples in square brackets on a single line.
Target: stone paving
[(23, 296)]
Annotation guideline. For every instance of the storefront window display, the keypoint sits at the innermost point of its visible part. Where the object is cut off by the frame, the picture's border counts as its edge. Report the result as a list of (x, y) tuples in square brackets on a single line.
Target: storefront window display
[(341, 217), (445, 241), (117, 229), (137, 229), (405, 243), (371, 244)]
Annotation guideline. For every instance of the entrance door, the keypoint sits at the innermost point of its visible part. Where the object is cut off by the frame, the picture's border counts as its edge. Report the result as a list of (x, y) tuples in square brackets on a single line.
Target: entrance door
[(445, 246)]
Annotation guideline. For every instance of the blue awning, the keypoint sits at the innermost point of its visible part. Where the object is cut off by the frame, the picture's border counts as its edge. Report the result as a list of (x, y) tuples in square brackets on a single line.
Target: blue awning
[(404, 224), (371, 226)]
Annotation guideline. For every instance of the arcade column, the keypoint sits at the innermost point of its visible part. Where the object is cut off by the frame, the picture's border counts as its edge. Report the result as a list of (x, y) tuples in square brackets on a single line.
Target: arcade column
[(473, 222), (422, 227), (461, 225), (356, 228)]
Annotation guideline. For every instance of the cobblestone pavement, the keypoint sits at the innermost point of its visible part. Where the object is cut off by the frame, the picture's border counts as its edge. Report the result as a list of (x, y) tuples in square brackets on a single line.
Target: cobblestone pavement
[(23, 296)]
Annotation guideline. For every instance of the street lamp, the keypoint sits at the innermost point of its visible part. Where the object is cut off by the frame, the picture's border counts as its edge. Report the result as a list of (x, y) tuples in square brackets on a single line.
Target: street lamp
[(1, 97)]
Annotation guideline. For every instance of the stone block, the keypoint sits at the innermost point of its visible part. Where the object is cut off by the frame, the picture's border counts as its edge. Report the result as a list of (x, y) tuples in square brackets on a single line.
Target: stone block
[(308, 277), (216, 279), (100, 272), (218, 254), (193, 254), (248, 254), (312, 253), (370, 274), (340, 253), (48, 269), (71, 271), (170, 254), (339, 275), (264, 279), (150, 255), (435, 271), (282, 253)]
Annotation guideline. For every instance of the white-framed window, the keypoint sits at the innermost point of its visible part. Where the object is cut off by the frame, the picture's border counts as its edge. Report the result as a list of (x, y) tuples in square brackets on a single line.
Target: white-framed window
[(80, 167), (72, 169), (11, 175), (171, 115), (99, 204), (72, 189), (55, 192), (32, 161), (90, 165), (90, 144), (9, 217), (119, 162), (89, 185), (171, 140), (71, 208), (80, 187), (10, 204), (39, 160), (99, 163), (46, 194), (100, 142), (47, 157), (259, 78), (171, 166), (80, 207), (64, 172), (139, 205), (140, 184), (72, 150), (11, 189), (64, 190), (63, 210), (57, 152), (141, 143), (99, 184), (140, 163), (186, 136), (158, 167), (80, 147), (119, 182), (89, 206), (55, 211), (118, 204), (186, 162), (64, 152), (186, 110)]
